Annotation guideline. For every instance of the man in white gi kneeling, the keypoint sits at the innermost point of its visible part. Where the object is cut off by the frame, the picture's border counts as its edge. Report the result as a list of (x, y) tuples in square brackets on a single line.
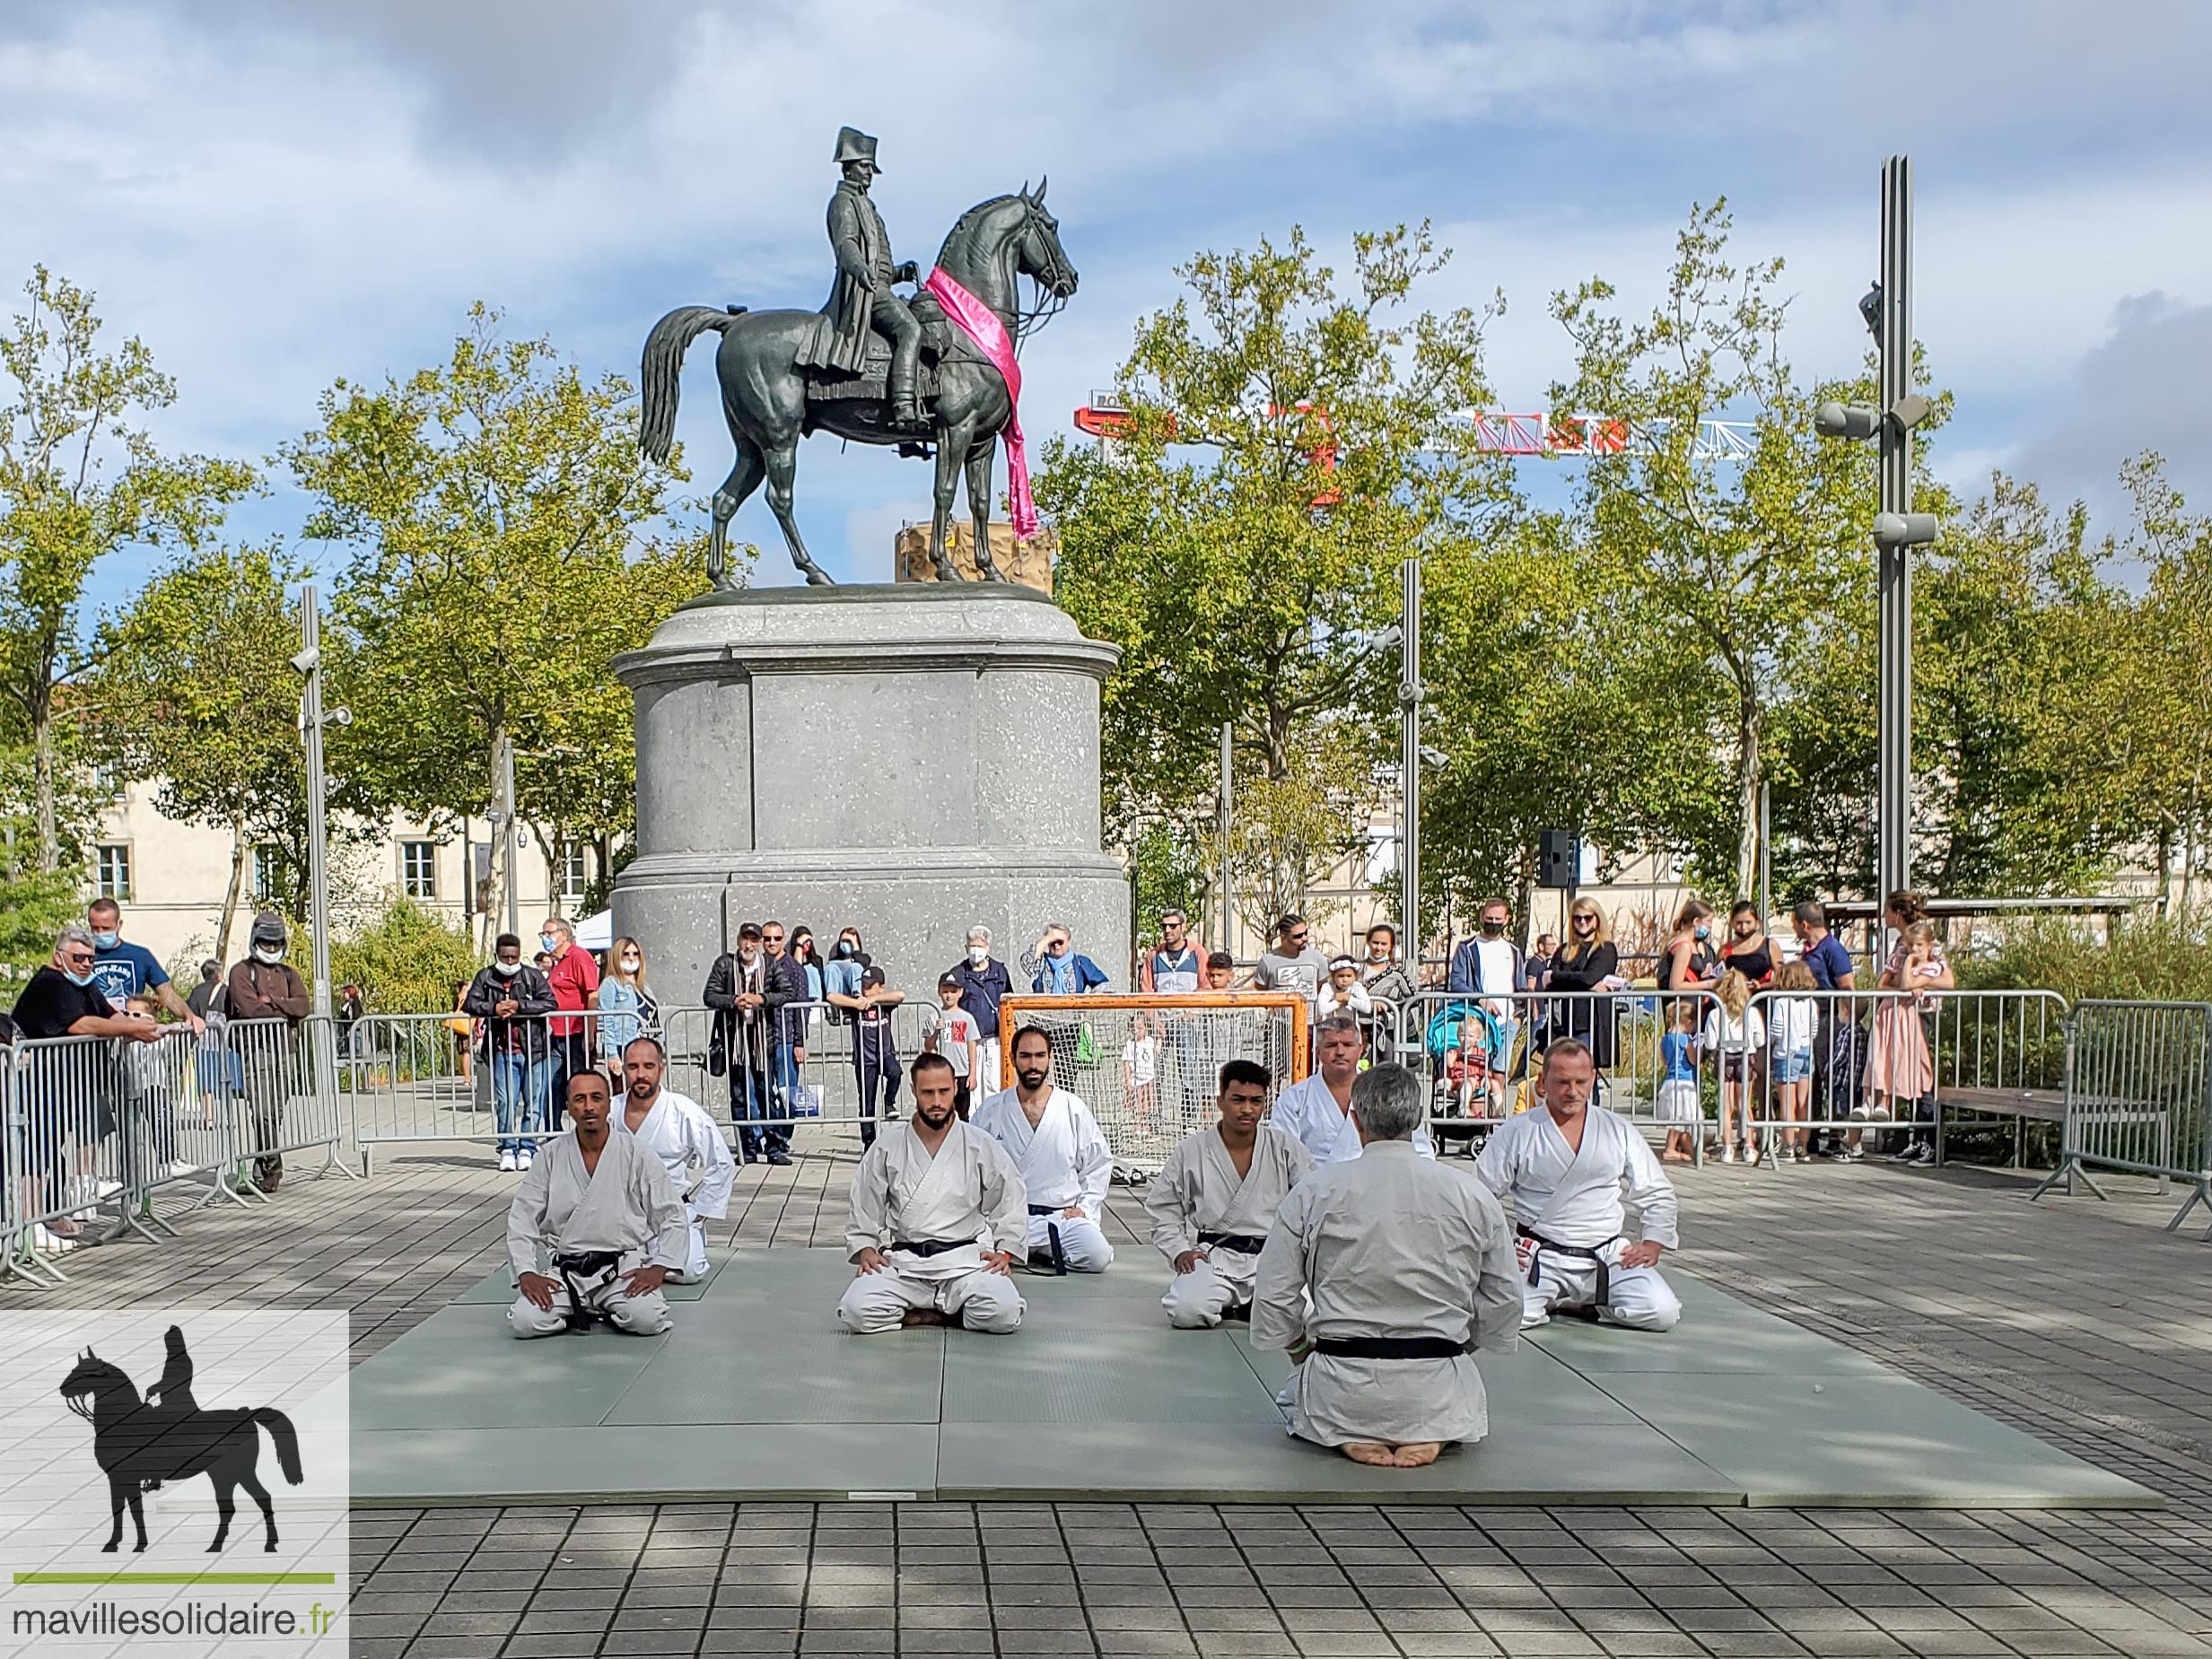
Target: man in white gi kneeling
[(1410, 1268), (596, 1207), (1065, 1163), (935, 1203), (1562, 1170), (676, 1128), (1214, 1199)]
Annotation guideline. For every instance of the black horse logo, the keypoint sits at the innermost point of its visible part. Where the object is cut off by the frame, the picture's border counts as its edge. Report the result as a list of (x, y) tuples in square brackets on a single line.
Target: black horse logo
[(140, 1444)]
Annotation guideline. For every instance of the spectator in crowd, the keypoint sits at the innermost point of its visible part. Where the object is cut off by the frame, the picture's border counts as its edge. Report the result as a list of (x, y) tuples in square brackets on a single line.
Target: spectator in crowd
[(1734, 1032), (1220, 970), (841, 974), (1536, 970), (63, 1000), (809, 960), (1057, 969), (875, 1053), (543, 961), (628, 1009), (1688, 961), (351, 1011), (1681, 1104), (783, 993), (575, 977), (1491, 966), (1384, 975), (1748, 950), (1587, 962), (1900, 1070), (207, 994), (1141, 1069), (123, 969), (1344, 994), (1793, 1028), (950, 1030), (266, 988), (1294, 964), (1175, 964), (1835, 1042), (512, 999), (983, 981), (737, 995), (463, 1030)]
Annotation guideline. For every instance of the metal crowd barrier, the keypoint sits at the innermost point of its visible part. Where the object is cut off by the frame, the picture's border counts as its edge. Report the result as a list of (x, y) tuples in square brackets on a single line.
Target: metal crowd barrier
[(2139, 1097), (1885, 1061), (96, 1127), (1446, 1037)]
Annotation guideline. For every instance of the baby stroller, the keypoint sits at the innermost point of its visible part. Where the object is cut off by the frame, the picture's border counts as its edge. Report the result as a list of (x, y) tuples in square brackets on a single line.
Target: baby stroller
[(1462, 1036)]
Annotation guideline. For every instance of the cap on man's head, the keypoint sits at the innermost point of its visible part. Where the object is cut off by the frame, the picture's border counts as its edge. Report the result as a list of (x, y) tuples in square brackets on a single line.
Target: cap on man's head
[(871, 975), (269, 927), (749, 929)]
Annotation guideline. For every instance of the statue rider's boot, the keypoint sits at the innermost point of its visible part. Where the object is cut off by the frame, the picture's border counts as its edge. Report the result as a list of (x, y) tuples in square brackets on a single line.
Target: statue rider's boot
[(906, 408)]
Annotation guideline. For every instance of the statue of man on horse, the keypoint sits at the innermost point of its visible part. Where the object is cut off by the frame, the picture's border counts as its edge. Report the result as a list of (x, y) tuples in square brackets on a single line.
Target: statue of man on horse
[(935, 376)]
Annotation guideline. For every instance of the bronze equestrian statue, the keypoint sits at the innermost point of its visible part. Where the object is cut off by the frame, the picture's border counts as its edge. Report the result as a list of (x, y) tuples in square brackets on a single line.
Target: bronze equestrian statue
[(871, 366)]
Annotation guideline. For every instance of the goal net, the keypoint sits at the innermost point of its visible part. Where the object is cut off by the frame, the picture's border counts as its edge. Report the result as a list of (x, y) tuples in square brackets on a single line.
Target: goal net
[(1149, 1065)]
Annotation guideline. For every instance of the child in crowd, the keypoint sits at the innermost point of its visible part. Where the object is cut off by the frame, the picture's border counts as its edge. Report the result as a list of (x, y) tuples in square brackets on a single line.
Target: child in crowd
[(1789, 1056), (950, 1029), (150, 1125), (1681, 1104), (1343, 992), (1899, 1070), (1734, 1033), (1140, 1068)]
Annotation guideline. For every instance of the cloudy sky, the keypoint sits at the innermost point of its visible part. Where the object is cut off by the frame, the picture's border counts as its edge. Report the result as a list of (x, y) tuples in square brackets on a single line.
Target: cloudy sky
[(273, 194)]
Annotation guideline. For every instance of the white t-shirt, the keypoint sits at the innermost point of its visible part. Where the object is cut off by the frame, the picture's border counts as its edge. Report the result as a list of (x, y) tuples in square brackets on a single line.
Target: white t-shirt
[(1495, 957), (1140, 1058), (1726, 1034), (949, 1032)]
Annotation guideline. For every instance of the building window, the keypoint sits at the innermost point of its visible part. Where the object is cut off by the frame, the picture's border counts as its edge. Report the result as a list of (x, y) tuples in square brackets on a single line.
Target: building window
[(112, 871), (268, 872), (107, 784), (572, 873), (418, 869)]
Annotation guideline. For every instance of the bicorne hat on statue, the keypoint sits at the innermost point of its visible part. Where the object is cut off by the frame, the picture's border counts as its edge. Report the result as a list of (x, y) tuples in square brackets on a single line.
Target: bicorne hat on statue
[(854, 146)]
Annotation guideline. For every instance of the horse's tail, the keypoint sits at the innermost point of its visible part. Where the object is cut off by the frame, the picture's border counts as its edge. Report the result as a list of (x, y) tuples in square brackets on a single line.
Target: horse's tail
[(664, 360), (288, 1441)]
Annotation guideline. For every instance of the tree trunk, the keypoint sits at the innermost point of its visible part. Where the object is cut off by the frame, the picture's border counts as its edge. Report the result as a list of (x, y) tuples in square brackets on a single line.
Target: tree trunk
[(1750, 770), (2165, 865), (241, 850)]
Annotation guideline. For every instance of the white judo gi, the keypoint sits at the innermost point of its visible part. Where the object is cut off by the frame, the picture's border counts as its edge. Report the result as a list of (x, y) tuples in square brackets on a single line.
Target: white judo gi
[(1065, 1164), (1390, 1246), (681, 1135), (1562, 1197), (968, 1195), (562, 1208), (1198, 1201), (1309, 1113)]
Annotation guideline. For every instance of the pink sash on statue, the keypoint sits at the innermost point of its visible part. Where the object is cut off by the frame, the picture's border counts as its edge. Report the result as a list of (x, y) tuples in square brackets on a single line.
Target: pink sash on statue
[(981, 324)]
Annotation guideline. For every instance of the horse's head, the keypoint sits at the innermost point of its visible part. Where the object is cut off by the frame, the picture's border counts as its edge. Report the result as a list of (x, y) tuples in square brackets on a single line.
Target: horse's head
[(91, 1377), (1040, 254)]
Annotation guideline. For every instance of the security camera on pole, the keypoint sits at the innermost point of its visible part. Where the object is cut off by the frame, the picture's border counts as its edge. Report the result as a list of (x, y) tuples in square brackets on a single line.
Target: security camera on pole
[(1897, 529)]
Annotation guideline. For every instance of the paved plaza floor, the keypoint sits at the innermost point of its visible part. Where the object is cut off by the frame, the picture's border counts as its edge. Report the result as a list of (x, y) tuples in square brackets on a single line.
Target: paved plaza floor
[(2078, 1322)]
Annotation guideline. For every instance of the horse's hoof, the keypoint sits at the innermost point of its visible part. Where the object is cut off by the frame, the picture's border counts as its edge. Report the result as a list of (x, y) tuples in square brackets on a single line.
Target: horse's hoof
[(106, 1549), (820, 578), (948, 572)]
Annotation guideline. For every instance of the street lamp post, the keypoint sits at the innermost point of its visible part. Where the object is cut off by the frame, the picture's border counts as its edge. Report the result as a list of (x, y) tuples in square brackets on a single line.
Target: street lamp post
[(1410, 694), (309, 664)]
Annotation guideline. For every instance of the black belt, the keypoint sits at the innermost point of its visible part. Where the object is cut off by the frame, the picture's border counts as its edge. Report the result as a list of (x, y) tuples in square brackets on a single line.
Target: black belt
[(1536, 1260), (594, 1265), (1052, 1233), (931, 1247), (1392, 1347), (1242, 1244)]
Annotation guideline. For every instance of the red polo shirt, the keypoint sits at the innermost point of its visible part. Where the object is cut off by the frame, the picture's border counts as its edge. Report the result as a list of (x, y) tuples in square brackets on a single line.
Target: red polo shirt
[(574, 976)]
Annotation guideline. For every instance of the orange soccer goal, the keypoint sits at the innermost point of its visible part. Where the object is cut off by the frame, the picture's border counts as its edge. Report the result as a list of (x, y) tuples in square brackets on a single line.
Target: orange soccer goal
[(1149, 1064)]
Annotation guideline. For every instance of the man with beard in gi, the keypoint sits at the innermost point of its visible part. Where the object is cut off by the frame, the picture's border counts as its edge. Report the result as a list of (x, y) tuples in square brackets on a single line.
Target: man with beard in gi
[(1062, 1154), (1409, 1267), (934, 1202), (1317, 1111), (1214, 1199), (678, 1131), (599, 1206), (1561, 1171)]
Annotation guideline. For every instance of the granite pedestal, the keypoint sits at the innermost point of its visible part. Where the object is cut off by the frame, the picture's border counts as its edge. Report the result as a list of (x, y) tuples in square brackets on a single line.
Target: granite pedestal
[(908, 760)]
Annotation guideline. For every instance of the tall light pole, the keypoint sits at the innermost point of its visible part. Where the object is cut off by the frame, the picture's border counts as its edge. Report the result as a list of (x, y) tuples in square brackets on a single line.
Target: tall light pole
[(1220, 828), (503, 814), (1887, 311), (1410, 694), (308, 664)]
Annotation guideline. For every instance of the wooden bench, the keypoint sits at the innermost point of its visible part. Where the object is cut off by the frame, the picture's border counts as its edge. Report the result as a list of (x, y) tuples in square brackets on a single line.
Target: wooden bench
[(2043, 1106)]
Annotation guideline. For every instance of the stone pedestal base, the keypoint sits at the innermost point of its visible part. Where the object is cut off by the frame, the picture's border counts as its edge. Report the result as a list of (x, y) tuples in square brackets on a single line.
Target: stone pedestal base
[(906, 760)]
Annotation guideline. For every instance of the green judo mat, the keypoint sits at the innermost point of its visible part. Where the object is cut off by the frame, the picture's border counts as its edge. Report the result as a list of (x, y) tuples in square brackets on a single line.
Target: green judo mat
[(757, 1393)]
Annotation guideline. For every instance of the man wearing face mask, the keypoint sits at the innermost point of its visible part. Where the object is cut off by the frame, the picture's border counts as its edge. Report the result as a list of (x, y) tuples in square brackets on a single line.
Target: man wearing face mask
[(575, 977), (513, 999), (262, 988), (124, 970), (1492, 968), (982, 980)]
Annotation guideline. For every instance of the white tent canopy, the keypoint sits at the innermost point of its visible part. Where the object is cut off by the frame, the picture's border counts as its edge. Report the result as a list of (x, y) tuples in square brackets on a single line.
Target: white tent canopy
[(597, 932)]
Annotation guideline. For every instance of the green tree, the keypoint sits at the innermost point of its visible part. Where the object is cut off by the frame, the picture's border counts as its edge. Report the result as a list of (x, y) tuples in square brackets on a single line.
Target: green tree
[(80, 479), (506, 545), (405, 959), (2156, 723), (1741, 566), (1295, 438), (195, 691)]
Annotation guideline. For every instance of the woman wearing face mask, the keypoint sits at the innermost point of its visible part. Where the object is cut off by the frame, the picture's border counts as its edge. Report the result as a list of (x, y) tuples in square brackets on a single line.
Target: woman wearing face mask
[(1748, 950), (1688, 960), (841, 974), (627, 1008)]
